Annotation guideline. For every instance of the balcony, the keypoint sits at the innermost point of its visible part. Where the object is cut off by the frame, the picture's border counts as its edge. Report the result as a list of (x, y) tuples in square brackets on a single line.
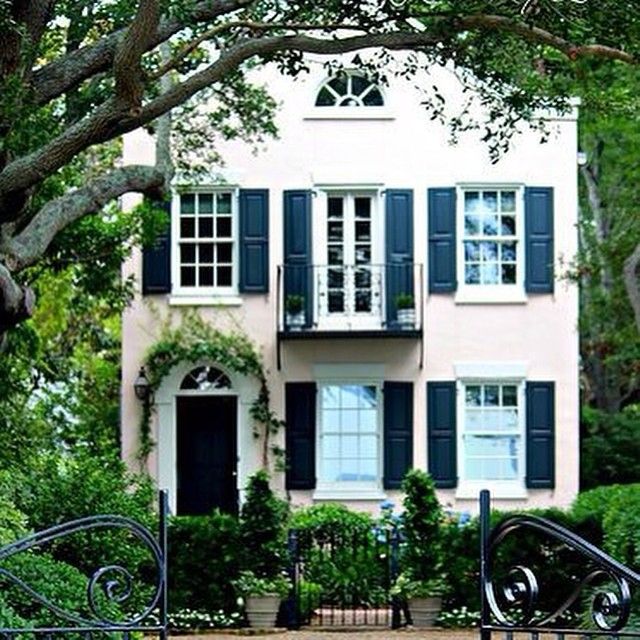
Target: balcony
[(350, 301)]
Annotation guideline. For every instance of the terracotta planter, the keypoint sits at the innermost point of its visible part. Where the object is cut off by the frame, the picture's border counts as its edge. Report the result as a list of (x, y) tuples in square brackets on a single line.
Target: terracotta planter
[(262, 611), (424, 611)]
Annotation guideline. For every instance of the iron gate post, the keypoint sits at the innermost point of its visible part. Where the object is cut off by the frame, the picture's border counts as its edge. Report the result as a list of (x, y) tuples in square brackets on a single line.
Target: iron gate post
[(163, 499), (292, 616), (485, 527)]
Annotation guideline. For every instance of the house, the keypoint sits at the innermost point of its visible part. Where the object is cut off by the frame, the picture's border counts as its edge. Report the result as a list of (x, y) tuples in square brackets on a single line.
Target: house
[(314, 248)]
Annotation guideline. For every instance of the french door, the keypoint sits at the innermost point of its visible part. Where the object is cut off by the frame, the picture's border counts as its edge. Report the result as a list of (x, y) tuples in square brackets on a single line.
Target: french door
[(350, 283)]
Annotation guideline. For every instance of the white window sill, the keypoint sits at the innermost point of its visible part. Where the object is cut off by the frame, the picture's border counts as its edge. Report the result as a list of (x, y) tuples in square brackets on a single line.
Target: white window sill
[(489, 296), (331, 493), (182, 300), (345, 113), (506, 491)]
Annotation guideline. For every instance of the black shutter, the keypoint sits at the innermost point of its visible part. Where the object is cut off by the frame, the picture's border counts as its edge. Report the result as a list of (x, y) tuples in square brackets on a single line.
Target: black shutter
[(254, 240), (441, 430), (442, 240), (300, 408), (298, 270), (399, 249), (539, 239), (540, 435), (156, 259), (398, 432)]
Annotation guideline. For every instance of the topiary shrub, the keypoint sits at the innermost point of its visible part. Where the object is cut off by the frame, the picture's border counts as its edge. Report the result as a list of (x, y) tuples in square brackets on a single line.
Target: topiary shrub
[(263, 519), (203, 557), (422, 522)]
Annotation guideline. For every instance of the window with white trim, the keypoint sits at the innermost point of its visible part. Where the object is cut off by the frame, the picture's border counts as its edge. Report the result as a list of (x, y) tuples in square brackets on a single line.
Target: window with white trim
[(491, 235), (350, 89), (492, 431), (349, 434), (206, 251)]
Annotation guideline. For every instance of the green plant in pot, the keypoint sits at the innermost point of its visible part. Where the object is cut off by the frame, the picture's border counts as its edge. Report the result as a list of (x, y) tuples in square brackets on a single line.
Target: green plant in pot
[(422, 581), (406, 311), (262, 597), (262, 583), (294, 307)]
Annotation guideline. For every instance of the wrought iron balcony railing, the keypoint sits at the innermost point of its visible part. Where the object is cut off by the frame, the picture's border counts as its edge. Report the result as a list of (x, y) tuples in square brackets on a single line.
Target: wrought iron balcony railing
[(366, 298)]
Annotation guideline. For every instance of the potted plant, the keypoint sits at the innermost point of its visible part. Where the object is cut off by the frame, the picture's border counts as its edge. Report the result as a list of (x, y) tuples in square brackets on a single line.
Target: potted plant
[(422, 580), (406, 311), (263, 582), (423, 597), (262, 597), (294, 307)]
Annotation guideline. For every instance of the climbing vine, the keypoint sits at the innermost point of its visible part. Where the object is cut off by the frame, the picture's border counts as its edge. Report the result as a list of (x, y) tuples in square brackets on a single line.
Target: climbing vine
[(194, 340)]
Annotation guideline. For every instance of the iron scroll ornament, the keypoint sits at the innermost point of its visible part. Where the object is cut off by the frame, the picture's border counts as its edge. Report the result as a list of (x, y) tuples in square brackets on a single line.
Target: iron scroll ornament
[(516, 609), (114, 581)]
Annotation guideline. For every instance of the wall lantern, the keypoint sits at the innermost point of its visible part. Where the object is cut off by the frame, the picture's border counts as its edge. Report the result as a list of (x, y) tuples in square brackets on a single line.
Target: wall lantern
[(141, 386)]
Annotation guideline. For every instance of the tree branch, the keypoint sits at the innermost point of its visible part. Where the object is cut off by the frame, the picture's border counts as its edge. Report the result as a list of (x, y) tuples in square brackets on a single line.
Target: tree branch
[(65, 73), (32, 242), (631, 282), (16, 302), (127, 62)]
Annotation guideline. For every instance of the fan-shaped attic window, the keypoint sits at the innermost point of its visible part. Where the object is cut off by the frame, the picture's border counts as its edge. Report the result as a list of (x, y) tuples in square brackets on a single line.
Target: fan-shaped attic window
[(205, 379), (349, 90)]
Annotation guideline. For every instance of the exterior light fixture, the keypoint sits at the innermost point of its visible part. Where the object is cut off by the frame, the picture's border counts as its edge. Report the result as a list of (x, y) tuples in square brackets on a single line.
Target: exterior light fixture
[(141, 386)]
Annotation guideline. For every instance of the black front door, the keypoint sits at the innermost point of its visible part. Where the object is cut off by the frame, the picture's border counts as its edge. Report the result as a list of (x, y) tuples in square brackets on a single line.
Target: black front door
[(207, 454)]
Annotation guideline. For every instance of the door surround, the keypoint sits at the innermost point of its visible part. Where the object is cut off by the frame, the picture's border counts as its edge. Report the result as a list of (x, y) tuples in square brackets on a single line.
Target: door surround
[(164, 460)]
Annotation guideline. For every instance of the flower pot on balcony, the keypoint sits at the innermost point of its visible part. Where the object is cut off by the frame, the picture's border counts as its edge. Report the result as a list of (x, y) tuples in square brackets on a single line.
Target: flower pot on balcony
[(295, 321), (407, 318)]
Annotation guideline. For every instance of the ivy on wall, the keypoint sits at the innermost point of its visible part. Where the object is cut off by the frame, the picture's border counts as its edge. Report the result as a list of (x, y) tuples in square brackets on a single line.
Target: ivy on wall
[(195, 341)]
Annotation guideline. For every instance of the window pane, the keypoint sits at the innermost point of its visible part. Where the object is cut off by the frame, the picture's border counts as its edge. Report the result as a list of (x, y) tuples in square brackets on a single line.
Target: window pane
[(325, 98), (223, 227), (473, 395), (473, 420), (471, 201), (363, 231), (363, 207), (335, 278), (223, 202), (331, 446), (363, 301), (490, 225), (188, 276), (494, 446), (368, 470), (472, 251), (335, 207), (205, 227), (339, 85), (508, 274), (509, 395), (359, 84), (349, 448), (187, 253), (489, 274), (335, 255), (368, 397), (508, 226), (368, 421), (330, 397), (336, 301), (206, 276), (225, 252), (510, 419), (206, 253), (508, 251), (224, 276), (205, 203), (349, 420), (331, 470), (369, 447), (373, 98), (330, 419), (349, 471), (508, 201), (489, 251), (334, 230), (490, 201), (187, 203), (349, 396), (187, 227), (472, 274), (491, 395), (363, 255), (471, 225)]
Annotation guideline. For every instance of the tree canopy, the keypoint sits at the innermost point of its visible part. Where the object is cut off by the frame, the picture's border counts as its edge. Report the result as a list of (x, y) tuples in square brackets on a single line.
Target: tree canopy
[(77, 75)]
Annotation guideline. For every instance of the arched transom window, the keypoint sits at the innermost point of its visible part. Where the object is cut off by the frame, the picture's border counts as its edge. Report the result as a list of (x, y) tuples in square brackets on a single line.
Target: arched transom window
[(205, 379), (349, 90)]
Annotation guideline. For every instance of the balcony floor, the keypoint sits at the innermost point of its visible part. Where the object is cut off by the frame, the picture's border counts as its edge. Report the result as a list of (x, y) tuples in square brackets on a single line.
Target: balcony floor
[(352, 334)]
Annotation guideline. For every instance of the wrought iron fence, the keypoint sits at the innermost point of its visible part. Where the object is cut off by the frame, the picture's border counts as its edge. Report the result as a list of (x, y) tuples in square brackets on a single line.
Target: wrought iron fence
[(343, 580), (108, 588), (598, 594)]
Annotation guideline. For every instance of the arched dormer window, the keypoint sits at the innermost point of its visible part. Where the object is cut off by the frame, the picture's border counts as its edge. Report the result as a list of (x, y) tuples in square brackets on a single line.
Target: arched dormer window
[(349, 90), (205, 379)]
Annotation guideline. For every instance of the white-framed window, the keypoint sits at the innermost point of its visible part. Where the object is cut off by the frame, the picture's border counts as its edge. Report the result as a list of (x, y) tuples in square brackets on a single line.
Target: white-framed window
[(349, 89), (491, 418), (205, 248), (349, 274), (491, 247), (349, 435)]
